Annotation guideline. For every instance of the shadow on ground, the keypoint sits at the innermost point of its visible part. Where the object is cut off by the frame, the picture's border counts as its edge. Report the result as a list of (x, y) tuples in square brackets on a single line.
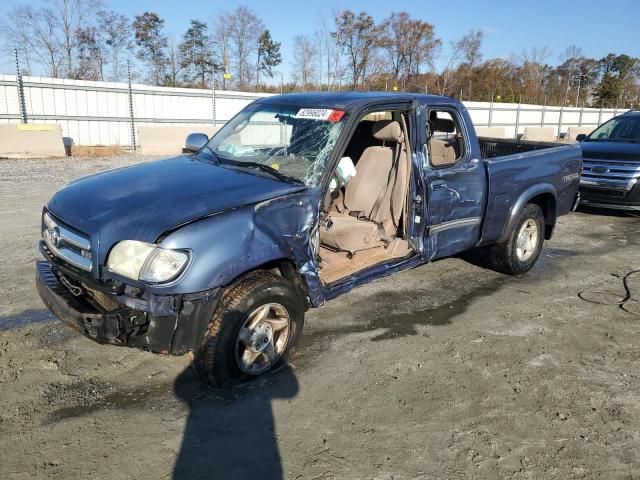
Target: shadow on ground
[(231, 433), (25, 318)]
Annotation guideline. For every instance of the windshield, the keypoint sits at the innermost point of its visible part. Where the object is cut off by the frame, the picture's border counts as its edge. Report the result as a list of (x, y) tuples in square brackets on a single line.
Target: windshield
[(625, 128), (292, 143)]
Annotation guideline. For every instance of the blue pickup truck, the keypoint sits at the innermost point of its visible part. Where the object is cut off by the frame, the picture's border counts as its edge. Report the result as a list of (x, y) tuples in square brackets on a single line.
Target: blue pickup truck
[(296, 200), (612, 164)]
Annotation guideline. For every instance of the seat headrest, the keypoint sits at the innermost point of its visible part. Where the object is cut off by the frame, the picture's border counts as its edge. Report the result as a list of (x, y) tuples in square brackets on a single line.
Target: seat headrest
[(443, 125), (387, 130)]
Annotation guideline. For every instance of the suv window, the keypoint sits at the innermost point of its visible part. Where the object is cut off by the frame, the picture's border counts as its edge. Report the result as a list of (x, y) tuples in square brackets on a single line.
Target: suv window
[(445, 142), (625, 128)]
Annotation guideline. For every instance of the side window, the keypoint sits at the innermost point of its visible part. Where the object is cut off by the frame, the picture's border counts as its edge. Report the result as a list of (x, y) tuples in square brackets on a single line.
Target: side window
[(444, 138)]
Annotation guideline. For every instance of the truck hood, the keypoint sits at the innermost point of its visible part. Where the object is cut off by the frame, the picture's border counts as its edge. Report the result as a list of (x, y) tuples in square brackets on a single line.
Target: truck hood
[(142, 202), (611, 150)]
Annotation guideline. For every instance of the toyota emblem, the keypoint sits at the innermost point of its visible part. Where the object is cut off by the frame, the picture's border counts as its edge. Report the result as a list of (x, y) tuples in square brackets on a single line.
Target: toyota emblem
[(55, 236)]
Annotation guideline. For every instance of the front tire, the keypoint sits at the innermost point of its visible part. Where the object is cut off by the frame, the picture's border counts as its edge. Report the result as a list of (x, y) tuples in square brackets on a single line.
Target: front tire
[(258, 320), (520, 252)]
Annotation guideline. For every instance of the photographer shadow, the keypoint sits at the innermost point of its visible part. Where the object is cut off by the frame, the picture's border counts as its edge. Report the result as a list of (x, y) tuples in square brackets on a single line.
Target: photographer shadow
[(231, 433)]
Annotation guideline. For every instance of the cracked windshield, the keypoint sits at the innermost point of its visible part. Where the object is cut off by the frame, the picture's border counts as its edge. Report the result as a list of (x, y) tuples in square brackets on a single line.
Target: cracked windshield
[(289, 143)]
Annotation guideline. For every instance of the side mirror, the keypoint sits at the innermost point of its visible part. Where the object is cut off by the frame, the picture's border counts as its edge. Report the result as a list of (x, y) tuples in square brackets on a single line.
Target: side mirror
[(581, 137), (195, 141)]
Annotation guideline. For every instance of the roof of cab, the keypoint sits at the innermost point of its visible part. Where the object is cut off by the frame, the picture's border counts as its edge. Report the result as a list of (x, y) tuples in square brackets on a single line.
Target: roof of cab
[(351, 100)]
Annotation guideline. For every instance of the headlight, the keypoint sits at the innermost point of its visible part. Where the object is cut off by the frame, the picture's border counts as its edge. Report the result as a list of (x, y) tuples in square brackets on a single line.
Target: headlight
[(145, 261)]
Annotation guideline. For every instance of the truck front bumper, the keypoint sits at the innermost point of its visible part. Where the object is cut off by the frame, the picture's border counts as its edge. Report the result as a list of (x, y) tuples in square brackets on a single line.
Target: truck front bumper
[(178, 328)]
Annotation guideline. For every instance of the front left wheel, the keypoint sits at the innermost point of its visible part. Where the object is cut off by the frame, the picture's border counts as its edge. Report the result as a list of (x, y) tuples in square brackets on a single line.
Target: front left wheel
[(258, 320)]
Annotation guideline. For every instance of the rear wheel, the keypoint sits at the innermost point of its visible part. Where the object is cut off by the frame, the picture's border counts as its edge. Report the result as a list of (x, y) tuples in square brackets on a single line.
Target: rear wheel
[(520, 252), (256, 323)]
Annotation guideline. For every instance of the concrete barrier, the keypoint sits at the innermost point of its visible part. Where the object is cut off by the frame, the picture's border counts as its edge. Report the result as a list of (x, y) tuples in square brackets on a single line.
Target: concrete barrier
[(573, 132), (168, 140), (31, 140), (540, 134), (491, 132)]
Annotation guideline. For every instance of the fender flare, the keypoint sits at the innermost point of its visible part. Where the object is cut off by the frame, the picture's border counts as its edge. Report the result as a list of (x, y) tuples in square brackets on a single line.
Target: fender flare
[(523, 199)]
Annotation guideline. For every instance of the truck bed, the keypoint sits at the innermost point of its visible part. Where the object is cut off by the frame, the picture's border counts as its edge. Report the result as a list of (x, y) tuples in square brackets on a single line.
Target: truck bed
[(522, 169), (500, 147)]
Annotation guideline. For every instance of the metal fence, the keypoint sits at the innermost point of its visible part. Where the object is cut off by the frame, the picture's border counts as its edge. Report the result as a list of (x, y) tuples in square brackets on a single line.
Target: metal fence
[(514, 118), (106, 113)]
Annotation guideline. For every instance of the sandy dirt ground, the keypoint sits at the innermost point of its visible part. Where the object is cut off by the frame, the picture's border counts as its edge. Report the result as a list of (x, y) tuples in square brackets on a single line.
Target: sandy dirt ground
[(446, 371)]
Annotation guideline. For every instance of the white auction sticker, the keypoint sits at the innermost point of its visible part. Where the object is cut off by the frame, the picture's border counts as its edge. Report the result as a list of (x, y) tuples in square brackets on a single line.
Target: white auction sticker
[(320, 114)]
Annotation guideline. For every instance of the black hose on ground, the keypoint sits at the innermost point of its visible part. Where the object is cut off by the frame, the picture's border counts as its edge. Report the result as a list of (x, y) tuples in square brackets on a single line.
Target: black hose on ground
[(626, 302)]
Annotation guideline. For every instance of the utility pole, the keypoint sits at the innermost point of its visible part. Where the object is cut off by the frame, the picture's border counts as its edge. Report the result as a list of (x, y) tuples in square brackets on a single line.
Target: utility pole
[(213, 96), (578, 91)]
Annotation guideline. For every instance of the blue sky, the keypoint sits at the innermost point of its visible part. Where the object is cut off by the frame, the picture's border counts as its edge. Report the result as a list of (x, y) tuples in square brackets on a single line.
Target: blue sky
[(511, 25)]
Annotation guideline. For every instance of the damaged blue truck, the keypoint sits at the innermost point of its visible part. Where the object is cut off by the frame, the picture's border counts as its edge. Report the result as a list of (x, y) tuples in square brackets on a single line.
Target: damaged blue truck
[(297, 199)]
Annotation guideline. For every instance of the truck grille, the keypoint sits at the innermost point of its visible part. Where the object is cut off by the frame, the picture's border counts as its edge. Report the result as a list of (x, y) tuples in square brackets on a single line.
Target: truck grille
[(611, 174), (66, 244)]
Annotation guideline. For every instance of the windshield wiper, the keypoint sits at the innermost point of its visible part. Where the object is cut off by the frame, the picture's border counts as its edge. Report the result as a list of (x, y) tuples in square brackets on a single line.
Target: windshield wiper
[(212, 151), (272, 171), (264, 168)]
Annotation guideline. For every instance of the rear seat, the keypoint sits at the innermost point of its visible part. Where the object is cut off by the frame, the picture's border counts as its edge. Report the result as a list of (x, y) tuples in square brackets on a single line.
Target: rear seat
[(443, 151)]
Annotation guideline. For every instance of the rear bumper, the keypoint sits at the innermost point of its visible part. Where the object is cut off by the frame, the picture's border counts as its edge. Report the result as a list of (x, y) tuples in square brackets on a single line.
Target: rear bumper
[(178, 332)]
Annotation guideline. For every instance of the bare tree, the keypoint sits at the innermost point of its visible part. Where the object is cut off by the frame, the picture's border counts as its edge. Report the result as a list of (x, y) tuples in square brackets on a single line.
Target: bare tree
[(470, 46), (304, 61), (534, 71), (329, 52), (115, 33), (222, 43), (174, 64), (40, 29), (449, 78), (72, 15), (358, 35), (18, 35), (409, 44), (244, 30), (570, 68)]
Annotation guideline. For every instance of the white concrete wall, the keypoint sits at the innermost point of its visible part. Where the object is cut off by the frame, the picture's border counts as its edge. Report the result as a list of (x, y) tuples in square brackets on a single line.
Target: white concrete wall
[(508, 115), (97, 113), (31, 141)]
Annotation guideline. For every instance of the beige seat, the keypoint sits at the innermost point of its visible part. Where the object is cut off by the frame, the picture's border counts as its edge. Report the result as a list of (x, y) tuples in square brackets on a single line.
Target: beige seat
[(374, 198), (443, 150)]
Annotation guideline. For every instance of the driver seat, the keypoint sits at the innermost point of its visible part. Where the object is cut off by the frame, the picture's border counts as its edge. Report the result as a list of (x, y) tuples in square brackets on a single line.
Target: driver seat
[(374, 198)]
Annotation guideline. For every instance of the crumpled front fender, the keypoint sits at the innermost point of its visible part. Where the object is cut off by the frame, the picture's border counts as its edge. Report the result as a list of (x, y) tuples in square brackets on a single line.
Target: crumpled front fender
[(228, 244)]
